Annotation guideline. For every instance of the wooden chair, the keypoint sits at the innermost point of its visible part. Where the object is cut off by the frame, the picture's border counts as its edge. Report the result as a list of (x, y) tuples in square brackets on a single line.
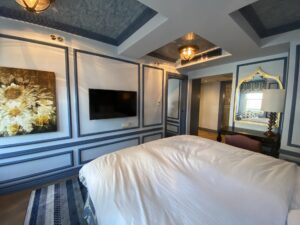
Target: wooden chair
[(244, 142)]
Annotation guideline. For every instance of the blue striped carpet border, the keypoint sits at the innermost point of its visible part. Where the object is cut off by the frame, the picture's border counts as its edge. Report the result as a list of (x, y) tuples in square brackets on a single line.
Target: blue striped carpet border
[(57, 204)]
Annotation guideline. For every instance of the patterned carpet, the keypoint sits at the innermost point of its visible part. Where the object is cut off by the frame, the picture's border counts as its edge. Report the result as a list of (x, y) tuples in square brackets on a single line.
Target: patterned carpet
[(57, 204)]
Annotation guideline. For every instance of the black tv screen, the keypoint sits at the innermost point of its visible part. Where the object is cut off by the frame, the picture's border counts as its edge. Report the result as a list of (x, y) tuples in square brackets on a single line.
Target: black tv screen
[(105, 104)]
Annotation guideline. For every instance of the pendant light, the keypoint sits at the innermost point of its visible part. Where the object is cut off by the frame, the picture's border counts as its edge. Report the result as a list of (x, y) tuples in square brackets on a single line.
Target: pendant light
[(35, 5), (188, 52)]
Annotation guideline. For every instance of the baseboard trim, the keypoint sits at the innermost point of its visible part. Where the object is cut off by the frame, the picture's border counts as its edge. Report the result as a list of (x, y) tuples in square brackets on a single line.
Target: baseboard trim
[(290, 153), (290, 156), (206, 129)]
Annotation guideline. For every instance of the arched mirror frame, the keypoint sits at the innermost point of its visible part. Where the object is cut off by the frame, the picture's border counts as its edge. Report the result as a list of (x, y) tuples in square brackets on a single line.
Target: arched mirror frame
[(250, 77)]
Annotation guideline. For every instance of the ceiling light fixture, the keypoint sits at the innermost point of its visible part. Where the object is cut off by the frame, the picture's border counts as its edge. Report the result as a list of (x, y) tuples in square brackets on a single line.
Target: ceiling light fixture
[(188, 52), (35, 5)]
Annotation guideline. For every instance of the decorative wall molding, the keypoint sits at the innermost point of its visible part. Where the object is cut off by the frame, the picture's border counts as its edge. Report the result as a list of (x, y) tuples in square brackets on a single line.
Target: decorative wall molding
[(70, 153), (290, 156), (66, 52), (48, 150), (80, 161), (172, 121), (143, 98), (150, 135), (174, 125), (74, 144), (290, 153), (39, 181), (294, 100), (31, 180), (76, 51)]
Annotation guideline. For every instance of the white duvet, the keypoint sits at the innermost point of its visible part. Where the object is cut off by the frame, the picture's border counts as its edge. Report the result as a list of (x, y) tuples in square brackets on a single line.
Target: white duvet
[(187, 180)]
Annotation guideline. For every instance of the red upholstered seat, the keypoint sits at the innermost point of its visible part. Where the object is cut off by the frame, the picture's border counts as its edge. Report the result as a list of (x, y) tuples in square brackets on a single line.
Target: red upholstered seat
[(244, 142)]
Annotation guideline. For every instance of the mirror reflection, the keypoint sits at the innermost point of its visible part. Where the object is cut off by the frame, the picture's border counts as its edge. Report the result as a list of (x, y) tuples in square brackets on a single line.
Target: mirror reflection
[(173, 98), (249, 96)]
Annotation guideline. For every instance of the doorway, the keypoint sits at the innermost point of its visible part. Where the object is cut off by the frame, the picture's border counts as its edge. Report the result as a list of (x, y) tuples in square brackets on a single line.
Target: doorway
[(176, 90), (211, 102)]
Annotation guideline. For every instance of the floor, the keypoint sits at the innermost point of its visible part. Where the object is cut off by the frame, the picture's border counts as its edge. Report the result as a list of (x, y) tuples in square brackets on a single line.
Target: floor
[(209, 135), (13, 208)]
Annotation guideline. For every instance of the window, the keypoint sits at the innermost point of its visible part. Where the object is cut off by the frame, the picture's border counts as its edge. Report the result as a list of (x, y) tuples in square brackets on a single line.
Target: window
[(254, 101)]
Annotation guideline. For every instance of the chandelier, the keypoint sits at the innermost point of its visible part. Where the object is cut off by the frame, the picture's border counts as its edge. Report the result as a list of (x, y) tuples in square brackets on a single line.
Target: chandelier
[(35, 5), (188, 52)]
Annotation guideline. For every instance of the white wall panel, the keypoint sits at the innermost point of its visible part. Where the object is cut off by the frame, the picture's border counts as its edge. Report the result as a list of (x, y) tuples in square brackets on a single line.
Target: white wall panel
[(96, 72)]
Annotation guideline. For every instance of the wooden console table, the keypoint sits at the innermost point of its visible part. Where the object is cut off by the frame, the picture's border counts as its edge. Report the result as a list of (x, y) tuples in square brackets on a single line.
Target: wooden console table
[(270, 143)]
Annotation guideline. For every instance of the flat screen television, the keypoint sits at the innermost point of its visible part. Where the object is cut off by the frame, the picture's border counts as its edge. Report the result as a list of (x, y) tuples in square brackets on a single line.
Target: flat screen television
[(106, 104)]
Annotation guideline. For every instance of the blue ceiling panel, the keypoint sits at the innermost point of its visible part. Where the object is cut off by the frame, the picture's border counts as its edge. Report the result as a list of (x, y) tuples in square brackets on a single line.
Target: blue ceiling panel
[(271, 17), (109, 21)]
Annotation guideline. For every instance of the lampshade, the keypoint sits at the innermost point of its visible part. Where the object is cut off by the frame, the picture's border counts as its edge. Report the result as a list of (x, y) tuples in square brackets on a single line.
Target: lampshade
[(273, 100), (35, 5)]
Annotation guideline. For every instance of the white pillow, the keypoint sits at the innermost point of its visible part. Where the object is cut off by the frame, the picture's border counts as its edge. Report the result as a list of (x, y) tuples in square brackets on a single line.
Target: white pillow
[(295, 204), (294, 217)]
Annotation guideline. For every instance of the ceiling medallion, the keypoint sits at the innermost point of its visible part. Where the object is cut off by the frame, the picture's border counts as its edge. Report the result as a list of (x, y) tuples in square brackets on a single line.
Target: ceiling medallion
[(188, 52), (35, 6)]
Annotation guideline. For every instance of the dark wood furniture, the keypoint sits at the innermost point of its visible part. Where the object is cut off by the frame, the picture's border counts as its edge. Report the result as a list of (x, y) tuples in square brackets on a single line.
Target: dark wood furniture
[(270, 145), (242, 141)]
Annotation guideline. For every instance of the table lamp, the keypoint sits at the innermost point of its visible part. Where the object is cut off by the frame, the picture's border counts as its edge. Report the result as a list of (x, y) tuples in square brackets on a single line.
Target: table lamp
[(272, 102)]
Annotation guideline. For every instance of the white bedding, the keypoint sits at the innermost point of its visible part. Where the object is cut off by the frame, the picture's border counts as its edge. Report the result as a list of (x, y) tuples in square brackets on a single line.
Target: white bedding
[(187, 180)]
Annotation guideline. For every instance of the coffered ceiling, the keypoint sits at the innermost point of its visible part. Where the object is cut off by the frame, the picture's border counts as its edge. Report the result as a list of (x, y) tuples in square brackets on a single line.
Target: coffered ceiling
[(219, 22), (137, 28), (170, 51), (270, 17), (109, 21)]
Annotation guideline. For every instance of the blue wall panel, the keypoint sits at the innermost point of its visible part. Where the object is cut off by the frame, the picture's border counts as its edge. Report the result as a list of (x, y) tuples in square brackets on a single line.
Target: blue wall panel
[(34, 166), (152, 137), (89, 153)]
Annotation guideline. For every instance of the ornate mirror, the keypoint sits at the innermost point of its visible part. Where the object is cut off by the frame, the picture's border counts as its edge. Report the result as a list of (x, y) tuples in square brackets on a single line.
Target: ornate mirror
[(249, 97)]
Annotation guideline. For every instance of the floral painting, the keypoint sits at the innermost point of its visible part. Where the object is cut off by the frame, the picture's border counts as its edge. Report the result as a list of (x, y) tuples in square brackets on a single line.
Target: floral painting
[(27, 101)]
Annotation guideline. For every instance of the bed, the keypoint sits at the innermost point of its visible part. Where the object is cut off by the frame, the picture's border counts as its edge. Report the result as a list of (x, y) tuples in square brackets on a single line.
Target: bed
[(188, 180)]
